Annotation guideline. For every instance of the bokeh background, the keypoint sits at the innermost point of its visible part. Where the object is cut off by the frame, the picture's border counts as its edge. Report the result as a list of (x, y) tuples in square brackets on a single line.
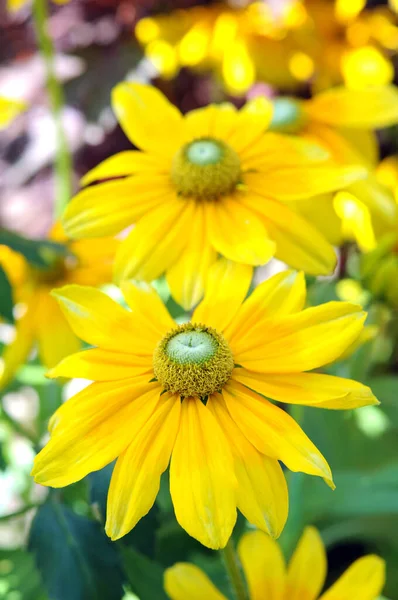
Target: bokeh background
[(51, 542)]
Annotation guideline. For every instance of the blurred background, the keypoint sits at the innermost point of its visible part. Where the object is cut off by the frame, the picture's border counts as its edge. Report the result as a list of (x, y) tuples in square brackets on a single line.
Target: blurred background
[(51, 542)]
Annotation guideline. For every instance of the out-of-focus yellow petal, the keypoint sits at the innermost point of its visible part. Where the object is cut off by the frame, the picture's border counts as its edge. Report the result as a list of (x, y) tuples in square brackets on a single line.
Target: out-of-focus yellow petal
[(251, 122), (307, 568), (54, 334), (366, 66), (100, 321), (148, 119), (187, 277), (94, 261), (262, 495), (156, 242), (364, 579), (83, 429), (184, 581), (102, 365), (347, 10), (125, 163), (136, 476), (226, 288), (273, 432), (237, 232), (9, 109), (298, 243), (312, 389), (110, 207), (300, 342), (294, 182), (202, 480), (15, 354), (356, 220), (147, 307), (282, 294), (238, 68), (264, 566), (368, 108)]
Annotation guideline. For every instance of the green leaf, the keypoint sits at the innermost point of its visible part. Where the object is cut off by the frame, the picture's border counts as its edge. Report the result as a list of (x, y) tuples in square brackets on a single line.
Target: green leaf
[(19, 577), (75, 558), (6, 299), (39, 253), (144, 575)]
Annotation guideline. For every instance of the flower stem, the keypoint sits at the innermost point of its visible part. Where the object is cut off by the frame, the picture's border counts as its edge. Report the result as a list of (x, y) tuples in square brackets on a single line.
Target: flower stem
[(232, 567), (63, 162)]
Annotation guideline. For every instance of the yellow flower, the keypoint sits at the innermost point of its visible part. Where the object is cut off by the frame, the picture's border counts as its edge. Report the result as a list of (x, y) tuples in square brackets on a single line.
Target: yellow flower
[(15, 5), (186, 392), (341, 120), (41, 320), (210, 182), (269, 578), (9, 109)]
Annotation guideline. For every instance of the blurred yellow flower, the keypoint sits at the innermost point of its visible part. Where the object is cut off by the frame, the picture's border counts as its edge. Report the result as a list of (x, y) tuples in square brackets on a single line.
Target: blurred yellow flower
[(342, 120), (39, 320), (206, 183), (186, 392), (15, 5), (269, 578), (9, 109)]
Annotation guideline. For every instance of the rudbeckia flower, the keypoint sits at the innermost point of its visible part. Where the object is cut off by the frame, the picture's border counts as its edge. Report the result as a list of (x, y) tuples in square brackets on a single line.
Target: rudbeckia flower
[(341, 120), (207, 183), (268, 576), (40, 320), (195, 395)]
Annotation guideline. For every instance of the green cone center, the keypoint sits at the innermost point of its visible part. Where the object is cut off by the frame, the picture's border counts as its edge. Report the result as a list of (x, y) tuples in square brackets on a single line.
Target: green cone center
[(206, 169), (288, 115), (193, 361)]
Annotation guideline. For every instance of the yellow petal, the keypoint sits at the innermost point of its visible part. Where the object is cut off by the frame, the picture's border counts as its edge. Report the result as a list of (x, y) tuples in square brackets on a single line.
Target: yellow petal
[(285, 182), (301, 342), (311, 389), (282, 294), (148, 119), (307, 568), (156, 242), (100, 321), (226, 288), (356, 220), (110, 207), (9, 109), (91, 429), (54, 334), (184, 581), (15, 354), (147, 307), (211, 121), (136, 477), (364, 579), (262, 495), (264, 566), (368, 108), (273, 432), (251, 123), (187, 276), (237, 232), (298, 243), (102, 365), (94, 261), (125, 163), (202, 480)]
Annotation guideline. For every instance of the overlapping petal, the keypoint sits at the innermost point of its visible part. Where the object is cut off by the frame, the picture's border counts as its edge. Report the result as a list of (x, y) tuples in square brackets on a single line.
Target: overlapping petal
[(307, 568), (125, 163), (364, 579), (184, 581)]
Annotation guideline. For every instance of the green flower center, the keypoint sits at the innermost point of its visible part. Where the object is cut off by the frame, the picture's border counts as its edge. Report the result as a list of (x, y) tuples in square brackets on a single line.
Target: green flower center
[(193, 360), (287, 116), (206, 169)]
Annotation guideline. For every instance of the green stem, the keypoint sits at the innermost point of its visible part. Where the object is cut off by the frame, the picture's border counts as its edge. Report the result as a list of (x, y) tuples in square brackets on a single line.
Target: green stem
[(63, 162), (233, 569), (18, 513)]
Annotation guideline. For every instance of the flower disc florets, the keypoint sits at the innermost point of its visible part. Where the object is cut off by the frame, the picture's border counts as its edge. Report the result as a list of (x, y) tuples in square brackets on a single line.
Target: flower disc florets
[(193, 360), (206, 169)]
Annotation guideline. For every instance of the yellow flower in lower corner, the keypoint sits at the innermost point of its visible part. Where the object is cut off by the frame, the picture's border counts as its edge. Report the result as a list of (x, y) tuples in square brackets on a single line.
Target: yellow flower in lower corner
[(269, 578), (40, 321), (205, 183), (9, 109), (196, 394)]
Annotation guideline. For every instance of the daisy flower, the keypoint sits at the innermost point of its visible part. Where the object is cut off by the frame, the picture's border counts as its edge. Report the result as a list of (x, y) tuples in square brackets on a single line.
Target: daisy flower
[(195, 395), (268, 576), (40, 320), (341, 120), (205, 183)]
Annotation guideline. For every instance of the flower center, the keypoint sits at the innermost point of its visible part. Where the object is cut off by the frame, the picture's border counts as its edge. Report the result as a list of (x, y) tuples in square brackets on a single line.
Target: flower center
[(288, 116), (193, 360), (206, 169)]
